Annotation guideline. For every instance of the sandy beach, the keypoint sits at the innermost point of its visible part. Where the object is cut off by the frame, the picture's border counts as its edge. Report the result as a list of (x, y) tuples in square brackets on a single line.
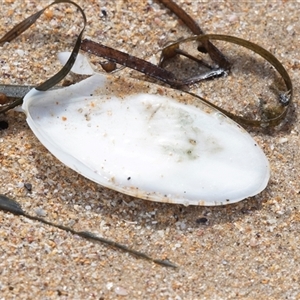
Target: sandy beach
[(247, 250)]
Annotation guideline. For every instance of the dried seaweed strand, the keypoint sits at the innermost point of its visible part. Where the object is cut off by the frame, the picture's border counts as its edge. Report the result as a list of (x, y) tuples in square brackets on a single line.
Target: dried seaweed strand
[(14, 207), (284, 99), (130, 61), (61, 74), (205, 46)]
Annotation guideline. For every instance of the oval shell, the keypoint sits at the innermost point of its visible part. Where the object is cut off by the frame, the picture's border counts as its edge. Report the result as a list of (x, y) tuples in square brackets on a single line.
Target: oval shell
[(148, 141)]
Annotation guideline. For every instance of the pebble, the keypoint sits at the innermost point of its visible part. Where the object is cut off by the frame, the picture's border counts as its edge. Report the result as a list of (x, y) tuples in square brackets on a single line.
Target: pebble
[(21, 161), (109, 285), (3, 125), (20, 185), (283, 140), (3, 99), (253, 242), (20, 52), (28, 186), (121, 291), (40, 212)]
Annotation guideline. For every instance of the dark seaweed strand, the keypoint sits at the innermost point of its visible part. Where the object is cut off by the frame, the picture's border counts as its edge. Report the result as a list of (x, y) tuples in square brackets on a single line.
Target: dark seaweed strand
[(215, 54), (130, 61), (183, 16), (158, 72), (7, 204), (268, 56), (62, 73), (23, 26)]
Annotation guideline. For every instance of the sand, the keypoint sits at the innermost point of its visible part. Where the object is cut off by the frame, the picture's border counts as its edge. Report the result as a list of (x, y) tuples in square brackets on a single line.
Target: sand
[(248, 250)]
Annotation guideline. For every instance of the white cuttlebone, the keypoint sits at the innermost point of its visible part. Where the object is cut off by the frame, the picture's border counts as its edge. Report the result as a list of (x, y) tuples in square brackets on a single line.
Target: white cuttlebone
[(147, 145)]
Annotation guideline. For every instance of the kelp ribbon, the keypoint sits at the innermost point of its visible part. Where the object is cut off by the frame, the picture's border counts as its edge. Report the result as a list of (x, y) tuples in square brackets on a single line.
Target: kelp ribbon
[(10, 205), (284, 98), (62, 73)]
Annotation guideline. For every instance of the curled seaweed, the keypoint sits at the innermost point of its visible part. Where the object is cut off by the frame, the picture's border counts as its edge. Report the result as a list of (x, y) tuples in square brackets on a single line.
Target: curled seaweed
[(221, 63), (204, 46), (272, 118), (62, 73)]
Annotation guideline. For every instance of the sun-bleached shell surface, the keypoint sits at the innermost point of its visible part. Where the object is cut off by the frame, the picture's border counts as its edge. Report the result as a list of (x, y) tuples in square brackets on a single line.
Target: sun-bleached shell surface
[(147, 141)]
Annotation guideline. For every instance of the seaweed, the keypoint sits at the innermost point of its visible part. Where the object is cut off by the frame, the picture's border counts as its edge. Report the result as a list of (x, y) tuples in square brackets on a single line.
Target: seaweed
[(269, 117)]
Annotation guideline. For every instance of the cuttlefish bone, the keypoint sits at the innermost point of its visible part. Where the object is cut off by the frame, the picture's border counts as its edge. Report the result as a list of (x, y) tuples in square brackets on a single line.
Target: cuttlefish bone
[(161, 146)]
